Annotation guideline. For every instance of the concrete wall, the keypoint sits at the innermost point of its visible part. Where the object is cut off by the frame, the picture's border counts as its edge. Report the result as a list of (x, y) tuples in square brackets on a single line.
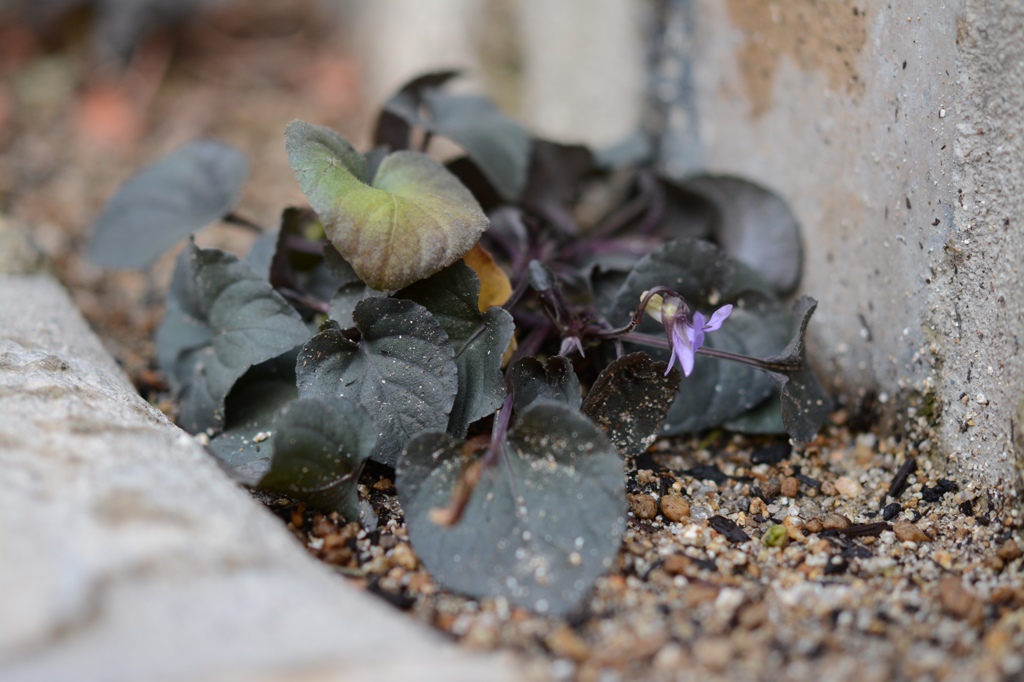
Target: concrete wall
[(573, 70), (894, 130)]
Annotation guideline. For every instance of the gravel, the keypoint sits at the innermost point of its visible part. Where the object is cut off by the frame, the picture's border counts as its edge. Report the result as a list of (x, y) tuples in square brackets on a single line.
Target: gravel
[(717, 577)]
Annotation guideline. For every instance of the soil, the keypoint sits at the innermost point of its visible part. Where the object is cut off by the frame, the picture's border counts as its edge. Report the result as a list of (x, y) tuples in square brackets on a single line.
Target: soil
[(744, 558)]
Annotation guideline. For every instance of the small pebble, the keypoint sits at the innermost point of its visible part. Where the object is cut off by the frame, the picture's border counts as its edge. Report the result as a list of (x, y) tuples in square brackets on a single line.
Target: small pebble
[(643, 506), (835, 522), (771, 489), (714, 652), (814, 525), (907, 532), (958, 601), (678, 564), (669, 658), (790, 487), (675, 508), (645, 477), (753, 615), (944, 559), (402, 555), (1009, 550), (848, 487), (564, 642)]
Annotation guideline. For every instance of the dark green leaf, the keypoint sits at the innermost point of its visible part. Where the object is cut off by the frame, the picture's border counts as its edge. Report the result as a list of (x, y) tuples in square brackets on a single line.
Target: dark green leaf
[(636, 149), (541, 278), (262, 253), (555, 380), (195, 185), (320, 445), (805, 404), (688, 215), (630, 401), (245, 446), (497, 145), (755, 227), (693, 268), (765, 418), (556, 174), (478, 339), (402, 111), (299, 262), (222, 318), (402, 370), (539, 528), (351, 290), (415, 219), (495, 142)]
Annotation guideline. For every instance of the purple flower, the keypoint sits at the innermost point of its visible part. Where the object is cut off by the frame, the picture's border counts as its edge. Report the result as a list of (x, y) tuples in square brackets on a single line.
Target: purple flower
[(685, 330)]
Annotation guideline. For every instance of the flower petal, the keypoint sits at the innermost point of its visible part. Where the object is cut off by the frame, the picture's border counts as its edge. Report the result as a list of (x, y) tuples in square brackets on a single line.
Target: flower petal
[(696, 335), (717, 318), (682, 346), (685, 359)]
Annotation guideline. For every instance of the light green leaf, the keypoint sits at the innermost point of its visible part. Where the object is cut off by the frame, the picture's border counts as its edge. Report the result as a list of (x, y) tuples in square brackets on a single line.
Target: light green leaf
[(415, 218)]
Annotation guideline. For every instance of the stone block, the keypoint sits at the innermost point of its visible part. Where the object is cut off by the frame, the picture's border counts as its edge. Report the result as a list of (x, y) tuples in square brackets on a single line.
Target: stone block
[(128, 555)]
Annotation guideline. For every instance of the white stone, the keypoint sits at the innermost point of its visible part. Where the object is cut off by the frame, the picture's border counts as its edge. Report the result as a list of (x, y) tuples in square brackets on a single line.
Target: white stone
[(128, 555)]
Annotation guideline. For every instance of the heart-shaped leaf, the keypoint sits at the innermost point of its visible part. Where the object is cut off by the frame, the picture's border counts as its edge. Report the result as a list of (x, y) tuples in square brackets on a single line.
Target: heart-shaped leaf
[(414, 220), (402, 370), (555, 380), (245, 446), (478, 339), (539, 528), (195, 185), (320, 445), (222, 318), (755, 227), (630, 401)]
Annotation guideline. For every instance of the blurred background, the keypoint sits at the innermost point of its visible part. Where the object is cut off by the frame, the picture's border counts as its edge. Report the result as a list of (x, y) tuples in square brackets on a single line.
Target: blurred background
[(92, 90)]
